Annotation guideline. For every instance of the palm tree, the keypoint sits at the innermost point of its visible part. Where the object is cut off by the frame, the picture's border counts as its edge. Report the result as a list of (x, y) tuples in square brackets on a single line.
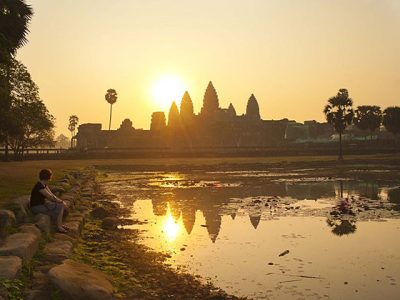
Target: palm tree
[(342, 227), (73, 122), (339, 113), (111, 97), (14, 19)]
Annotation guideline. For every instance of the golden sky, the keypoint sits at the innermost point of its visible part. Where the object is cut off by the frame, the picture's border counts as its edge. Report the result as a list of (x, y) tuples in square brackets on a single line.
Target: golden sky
[(292, 54)]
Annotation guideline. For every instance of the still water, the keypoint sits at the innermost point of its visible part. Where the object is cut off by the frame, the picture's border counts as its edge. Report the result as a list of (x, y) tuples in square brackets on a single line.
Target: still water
[(231, 227)]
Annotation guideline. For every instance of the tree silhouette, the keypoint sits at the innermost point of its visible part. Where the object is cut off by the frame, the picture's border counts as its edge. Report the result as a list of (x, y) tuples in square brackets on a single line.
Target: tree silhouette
[(14, 19), (342, 227), (391, 119), (368, 117), (339, 113), (62, 141), (30, 124), (111, 98), (73, 122)]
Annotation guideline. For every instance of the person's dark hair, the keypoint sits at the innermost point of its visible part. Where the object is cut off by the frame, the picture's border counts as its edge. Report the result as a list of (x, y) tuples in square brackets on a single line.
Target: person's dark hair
[(45, 174)]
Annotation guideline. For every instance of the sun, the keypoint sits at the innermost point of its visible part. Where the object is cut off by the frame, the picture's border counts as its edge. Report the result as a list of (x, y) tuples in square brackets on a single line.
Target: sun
[(166, 89)]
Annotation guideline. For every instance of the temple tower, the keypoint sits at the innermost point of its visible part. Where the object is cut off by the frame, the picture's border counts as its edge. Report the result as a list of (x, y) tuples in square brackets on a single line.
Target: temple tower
[(187, 112), (252, 109), (210, 100), (158, 122), (231, 110), (173, 116)]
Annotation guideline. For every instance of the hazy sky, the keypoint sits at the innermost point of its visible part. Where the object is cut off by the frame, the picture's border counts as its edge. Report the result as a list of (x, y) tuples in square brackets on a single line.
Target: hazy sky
[(292, 54)]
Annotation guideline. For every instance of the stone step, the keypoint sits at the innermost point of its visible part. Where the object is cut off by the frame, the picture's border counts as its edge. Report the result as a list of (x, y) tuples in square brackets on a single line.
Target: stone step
[(75, 228), (64, 237), (7, 218), (30, 228), (10, 267), (23, 245), (23, 212), (57, 251), (79, 281), (43, 223), (39, 295)]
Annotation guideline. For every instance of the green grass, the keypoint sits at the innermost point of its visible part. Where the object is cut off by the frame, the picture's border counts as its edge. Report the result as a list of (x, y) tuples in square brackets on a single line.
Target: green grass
[(17, 178)]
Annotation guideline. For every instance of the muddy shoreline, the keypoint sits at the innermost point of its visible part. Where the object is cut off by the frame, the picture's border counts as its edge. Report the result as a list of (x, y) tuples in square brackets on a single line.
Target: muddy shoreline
[(137, 272)]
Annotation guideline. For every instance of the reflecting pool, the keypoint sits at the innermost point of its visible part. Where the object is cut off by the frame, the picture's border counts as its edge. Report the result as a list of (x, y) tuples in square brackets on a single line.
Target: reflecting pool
[(271, 235)]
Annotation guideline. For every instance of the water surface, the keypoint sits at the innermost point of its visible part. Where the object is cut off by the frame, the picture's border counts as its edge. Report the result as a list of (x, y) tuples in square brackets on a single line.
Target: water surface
[(231, 227)]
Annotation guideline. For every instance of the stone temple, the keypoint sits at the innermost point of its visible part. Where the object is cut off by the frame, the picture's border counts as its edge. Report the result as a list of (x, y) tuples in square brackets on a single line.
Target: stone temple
[(214, 127)]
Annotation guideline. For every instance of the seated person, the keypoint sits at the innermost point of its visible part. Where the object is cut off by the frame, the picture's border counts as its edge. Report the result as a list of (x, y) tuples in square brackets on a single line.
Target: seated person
[(45, 202)]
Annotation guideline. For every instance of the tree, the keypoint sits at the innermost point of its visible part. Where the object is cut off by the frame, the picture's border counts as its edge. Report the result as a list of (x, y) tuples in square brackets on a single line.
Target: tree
[(14, 19), (111, 98), (368, 117), (34, 126), (62, 141), (15, 16), (30, 124), (391, 119), (339, 113), (342, 227), (73, 122)]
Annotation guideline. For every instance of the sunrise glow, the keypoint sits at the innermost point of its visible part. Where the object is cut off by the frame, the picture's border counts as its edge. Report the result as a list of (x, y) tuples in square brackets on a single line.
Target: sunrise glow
[(166, 89)]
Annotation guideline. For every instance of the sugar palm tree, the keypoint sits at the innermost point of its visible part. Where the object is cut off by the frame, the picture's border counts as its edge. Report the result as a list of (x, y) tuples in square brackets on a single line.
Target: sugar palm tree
[(73, 122), (339, 113), (14, 19), (111, 97)]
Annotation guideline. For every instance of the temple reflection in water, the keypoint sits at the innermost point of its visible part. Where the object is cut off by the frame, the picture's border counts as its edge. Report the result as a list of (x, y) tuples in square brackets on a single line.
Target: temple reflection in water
[(179, 207)]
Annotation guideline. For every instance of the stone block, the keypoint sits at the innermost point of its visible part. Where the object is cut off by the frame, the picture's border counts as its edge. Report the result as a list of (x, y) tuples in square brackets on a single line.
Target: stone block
[(79, 281), (10, 267), (30, 228), (43, 223), (75, 228), (23, 245), (7, 218), (110, 223), (57, 251)]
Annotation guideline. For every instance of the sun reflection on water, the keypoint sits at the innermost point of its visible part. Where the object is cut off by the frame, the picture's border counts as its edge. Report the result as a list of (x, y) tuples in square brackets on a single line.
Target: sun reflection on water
[(170, 227)]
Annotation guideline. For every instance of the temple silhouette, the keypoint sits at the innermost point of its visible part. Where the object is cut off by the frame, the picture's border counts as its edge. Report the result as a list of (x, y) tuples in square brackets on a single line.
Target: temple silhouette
[(212, 127)]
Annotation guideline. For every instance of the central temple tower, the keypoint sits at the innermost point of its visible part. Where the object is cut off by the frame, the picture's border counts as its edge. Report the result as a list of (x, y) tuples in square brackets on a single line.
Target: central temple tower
[(210, 100)]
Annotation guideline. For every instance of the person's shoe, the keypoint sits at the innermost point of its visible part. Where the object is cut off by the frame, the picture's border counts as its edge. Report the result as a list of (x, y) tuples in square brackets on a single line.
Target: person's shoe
[(62, 230)]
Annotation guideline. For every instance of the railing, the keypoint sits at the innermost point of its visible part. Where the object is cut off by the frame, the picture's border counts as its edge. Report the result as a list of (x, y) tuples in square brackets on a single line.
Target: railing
[(367, 147), (37, 151)]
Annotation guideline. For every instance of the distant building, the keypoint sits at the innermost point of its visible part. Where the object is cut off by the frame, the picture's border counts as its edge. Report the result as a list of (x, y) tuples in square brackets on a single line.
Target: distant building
[(212, 127)]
